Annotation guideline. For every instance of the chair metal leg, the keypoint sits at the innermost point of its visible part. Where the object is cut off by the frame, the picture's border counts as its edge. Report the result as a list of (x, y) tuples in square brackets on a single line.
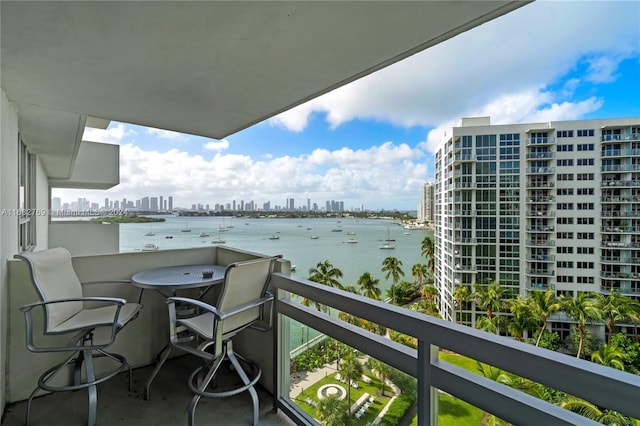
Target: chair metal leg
[(91, 390), (201, 388), (245, 379), (161, 359)]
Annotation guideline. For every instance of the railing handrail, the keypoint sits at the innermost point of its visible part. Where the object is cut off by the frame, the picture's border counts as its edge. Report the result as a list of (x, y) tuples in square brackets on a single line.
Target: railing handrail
[(606, 387)]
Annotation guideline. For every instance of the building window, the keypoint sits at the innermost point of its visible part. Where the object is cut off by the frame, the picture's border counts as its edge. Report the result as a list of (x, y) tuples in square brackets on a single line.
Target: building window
[(585, 265), (564, 235), (564, 206), (564, 250), (565, 279), (585, 176), (26, 197), (586, 147), (564, 133), (585, 221), (565, 148), (585, 133), (567, 162), (565, 221), (585, 235), (565, 176), (565, 264), (585, 206), (585, 250), (586, 162), (585, 280), (585, 191)]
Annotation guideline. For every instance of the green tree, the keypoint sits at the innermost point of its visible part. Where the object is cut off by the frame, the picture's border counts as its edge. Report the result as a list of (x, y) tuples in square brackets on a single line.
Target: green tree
[(542, 304), (393, 268), (593, 412), (428, 251), (581, 309), (522, 318), (419, 274), (609, 355), (461, 295), (368, 286), (490, 298), (499, 376), (380, 369), (325, 273), (351, 370), (333, 411), (613, 308)]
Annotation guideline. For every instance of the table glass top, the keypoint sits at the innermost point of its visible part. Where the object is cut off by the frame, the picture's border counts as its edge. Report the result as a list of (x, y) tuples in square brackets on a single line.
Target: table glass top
[(182, 276)]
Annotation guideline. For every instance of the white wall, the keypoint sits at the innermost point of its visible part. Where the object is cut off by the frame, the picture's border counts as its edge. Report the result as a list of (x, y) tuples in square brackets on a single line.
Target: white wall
[(8, 222)]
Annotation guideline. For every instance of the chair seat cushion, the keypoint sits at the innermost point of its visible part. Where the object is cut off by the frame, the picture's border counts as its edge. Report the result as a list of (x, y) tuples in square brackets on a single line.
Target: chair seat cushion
[(103, 316), (203, 324)]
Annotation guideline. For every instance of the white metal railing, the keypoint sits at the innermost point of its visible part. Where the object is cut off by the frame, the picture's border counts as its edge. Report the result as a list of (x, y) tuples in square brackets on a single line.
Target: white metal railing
[(603, 386)]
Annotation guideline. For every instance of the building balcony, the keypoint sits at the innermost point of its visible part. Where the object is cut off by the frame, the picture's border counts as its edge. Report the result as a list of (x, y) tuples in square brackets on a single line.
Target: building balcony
[(549, 140), (541, 170), (540, 243), (540, 213), (620, 183), (278, 388), (613, 168), (540, 155), (540, 184), (616, 259), (620, 152), (540, 286), (540, 228), (624, 288), (548, 199), (622, 137), (540, 271), (541, 258)]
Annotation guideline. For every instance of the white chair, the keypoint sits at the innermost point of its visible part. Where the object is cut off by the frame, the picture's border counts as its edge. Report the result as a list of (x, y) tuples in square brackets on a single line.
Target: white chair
[(66, 312), (241, 304)]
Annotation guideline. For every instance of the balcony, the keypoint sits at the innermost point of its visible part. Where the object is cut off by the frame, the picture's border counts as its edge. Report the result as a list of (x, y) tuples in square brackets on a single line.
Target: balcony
[(548, 140), (541, 170), (170, 394)]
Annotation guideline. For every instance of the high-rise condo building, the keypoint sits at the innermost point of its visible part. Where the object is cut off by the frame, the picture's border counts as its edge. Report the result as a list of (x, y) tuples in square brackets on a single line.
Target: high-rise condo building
[(552, 205)]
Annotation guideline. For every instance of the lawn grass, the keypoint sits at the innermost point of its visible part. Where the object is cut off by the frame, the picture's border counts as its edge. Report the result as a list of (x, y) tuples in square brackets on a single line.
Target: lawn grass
[(372, 389)]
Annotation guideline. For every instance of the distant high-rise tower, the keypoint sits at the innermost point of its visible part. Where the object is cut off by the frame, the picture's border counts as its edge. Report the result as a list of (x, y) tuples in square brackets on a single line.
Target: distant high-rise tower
[(427, 202), (170, 202)]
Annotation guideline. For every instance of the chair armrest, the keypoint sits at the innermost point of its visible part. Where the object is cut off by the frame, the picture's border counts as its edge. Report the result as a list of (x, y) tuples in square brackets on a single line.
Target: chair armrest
[(195, 302), (115, 300), (72, 345), (107, 282)]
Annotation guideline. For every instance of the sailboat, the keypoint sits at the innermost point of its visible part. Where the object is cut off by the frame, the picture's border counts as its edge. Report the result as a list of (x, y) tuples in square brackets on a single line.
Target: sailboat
[(186, 229), (386, 244), (314, 236), (150, 233), (218, 240)]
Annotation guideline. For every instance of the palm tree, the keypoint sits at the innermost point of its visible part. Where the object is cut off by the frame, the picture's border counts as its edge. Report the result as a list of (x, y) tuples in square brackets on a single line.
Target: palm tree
[(522, 318), (613, 308), (499, 376), (581, 309), (429, 253), (543, 305), (419, 274), (332, 411), (325, 273), (368, 286), (392, 266), (381, 369), (593, 412), (351, 370), (429, 292), (461, 295), (609, 355), (490, 298)]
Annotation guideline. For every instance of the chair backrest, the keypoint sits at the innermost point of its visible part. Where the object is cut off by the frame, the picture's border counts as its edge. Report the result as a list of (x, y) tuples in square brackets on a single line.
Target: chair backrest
[(53, 277), (244, 282)]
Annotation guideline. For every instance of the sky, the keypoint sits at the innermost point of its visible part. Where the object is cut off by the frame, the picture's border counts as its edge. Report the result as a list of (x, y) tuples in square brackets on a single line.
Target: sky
[(371, 143)]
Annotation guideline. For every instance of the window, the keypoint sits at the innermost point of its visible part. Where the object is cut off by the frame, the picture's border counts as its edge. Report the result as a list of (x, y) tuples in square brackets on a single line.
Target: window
[(585, 191), (585, 235), (565, 264), (565, 250), (565, 176), (564, 133), (567, 162), (585, 206), (585, 133), (564, 235), (565, 279), (26, 197), (585, 221), (585, 176), (564, 206), (585, 161), (584, 280), (585, 250), (564, 191), (565, 148), (565, 221), (586, 147), (584, 265)]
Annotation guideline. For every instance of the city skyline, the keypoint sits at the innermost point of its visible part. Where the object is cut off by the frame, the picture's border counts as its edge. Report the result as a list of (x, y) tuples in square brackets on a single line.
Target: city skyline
[(371, 142)]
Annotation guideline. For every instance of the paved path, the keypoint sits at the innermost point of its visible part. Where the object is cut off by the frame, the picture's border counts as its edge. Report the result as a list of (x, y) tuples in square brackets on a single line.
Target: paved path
[(303, 379)]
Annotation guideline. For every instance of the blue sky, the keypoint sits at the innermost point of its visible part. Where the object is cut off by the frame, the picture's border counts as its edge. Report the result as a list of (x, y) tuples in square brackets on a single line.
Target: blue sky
[(371, 143)]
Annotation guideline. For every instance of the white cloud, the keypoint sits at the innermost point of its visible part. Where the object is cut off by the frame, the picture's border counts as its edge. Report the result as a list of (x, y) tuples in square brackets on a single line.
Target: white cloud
[(381, 176), (112, 135), (217, 145), (513, 58)]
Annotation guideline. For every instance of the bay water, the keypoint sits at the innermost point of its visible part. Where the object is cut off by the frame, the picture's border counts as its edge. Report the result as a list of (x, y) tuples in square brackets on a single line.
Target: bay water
[(291, 238)]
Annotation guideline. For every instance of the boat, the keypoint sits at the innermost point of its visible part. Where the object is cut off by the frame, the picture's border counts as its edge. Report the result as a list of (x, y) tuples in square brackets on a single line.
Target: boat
[(352, 241), (150, 233), (169, 236), (293, 268), (274, 237), (186, 229), (314, 237), (150, 247), (351, 233), (203, 234), (386, 243), (218, 241)]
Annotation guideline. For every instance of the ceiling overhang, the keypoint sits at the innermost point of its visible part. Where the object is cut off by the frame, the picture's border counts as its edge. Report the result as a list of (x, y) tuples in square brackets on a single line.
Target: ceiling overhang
[(203, 68)]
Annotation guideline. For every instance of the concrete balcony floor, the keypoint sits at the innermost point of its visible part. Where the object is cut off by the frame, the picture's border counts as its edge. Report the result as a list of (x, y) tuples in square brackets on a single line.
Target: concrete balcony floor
[(170, 397)]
